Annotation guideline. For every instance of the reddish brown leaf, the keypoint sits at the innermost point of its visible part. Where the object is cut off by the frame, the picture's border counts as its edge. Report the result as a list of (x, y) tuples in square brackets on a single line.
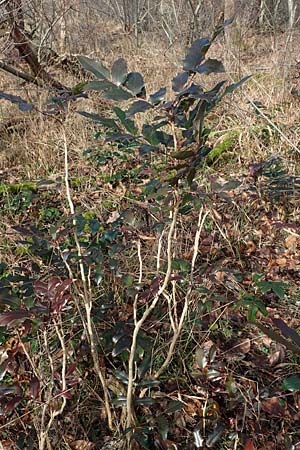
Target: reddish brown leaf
[(10, 406), (34, 388), (7, 319), (249, 445)]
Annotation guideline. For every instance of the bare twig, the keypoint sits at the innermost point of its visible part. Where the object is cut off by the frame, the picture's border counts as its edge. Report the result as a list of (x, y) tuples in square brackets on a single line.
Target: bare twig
[(178, 329)]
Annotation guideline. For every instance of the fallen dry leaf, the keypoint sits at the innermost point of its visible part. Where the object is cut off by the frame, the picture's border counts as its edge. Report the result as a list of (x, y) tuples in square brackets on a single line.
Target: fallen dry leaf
[(81, 445), (291, 242), (277, 356), (242, 346), (273, 407)]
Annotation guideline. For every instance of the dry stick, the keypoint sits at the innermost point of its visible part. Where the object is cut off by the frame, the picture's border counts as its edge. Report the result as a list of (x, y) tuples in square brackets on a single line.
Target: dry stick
[(87, 294), (55, 413), (138, 243), (147, 312), (176, 335)]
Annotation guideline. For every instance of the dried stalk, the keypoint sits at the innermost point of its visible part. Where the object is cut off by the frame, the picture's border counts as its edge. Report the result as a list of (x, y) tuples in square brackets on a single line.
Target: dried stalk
[(139, 323), (87, 296)]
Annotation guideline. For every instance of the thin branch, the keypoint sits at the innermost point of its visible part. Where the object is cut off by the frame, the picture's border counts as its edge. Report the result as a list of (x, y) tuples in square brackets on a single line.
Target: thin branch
[(19, 74)]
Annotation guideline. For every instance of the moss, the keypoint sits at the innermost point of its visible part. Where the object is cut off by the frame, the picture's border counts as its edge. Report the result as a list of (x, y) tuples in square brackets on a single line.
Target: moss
[(18, 187), (225, 145)]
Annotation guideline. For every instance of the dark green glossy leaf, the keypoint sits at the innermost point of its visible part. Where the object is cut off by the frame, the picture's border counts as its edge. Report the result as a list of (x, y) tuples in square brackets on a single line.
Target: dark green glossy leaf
[(196, 54), (232, 87), (138, 107), (291, 384), (201, 358), (150, 134), (149, 383), (127, 280), (134, 83), (119, 138), (215, 436), (278, 338), (119, 401), (211, 66), (127, 123), (145, 149), (121, 376), (174, 406), (123, 344), (158, 96), (287, 331), (108, 123), (117, 94), (179, 81), (95, 67), (119, 71), (22, 104), (163, 426), (185, 154), (146, 401), (220, 27), (98, 85)]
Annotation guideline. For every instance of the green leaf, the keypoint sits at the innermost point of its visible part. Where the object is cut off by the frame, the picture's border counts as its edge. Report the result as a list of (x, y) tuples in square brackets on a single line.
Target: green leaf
[(135, 83), (150, 134), (232, 87), (108, 123), (220, 27), (127, 123), (119, 71), (163, 426), (291, 384), (287, 331), (127, 280), (117, 94), (211, 66), (145, 149), (179, 82), (121, 376), (174, 406), (95, 67), (196, 54), (22, 104), (148, 383), (120, 137), (146, 401), (185, 154), (98, 85), (124, 343), (201, 358), (137, 107), (278, 288), (158, 96), (215, 436)]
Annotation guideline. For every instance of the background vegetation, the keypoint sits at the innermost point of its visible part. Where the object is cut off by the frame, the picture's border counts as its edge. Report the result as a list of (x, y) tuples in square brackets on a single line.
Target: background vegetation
[(149, 250)]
